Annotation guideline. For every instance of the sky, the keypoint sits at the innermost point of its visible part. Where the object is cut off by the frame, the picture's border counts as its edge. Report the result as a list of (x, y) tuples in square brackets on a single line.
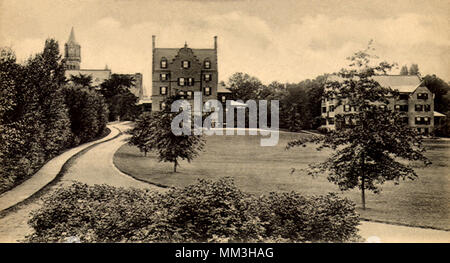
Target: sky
[(284, 40)]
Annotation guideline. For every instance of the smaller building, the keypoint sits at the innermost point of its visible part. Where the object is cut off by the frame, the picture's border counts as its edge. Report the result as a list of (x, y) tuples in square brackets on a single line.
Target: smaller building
[(416, 102)]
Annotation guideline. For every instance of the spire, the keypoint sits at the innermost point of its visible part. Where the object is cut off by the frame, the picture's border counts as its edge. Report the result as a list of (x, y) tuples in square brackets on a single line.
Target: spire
[(185, 44), (72, 37)]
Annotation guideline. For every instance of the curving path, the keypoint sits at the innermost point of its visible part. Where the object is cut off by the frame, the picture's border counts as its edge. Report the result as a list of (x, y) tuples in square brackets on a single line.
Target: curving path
[(95, 167), (92, 167)]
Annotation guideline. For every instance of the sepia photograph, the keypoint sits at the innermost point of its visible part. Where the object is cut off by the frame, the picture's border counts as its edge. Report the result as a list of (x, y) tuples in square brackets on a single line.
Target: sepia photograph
[(253, 123)]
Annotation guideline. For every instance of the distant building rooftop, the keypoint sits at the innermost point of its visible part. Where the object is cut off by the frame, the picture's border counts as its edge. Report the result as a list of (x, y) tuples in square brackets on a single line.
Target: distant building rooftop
[(402, 83)]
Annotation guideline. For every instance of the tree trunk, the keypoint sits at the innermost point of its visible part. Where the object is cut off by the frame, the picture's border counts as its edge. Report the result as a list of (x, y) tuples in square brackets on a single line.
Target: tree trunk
[(145, 153), (175, 166), (363, 197)]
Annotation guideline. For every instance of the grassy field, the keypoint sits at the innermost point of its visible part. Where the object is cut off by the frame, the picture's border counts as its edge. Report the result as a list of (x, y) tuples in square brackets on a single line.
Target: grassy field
[(256, 169)]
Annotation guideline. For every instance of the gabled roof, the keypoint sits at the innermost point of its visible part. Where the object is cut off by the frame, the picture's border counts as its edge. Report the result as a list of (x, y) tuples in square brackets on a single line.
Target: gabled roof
[(170, 53), (222, 89), (406, 84), (438, 114)]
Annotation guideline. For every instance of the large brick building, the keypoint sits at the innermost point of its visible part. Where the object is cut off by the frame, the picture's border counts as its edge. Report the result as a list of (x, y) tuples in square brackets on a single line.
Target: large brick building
[(416, 101), (183, 71)]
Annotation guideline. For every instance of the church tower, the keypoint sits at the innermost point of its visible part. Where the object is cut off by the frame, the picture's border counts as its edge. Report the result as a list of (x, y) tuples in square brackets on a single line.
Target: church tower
[(72, 54)]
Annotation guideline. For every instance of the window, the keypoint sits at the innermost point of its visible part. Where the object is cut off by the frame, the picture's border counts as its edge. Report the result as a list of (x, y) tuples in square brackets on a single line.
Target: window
[(180, 81), (422, 120), (397, 107), (185, 64), (207, 64), (207, 77), (190, 82), (404, 96), (427, 107), (163, 63), (189, 94), (224, 99), (331, 108), (181, 93), (422, 96), (331, 121), (207, 91), (162, 105), (324, 109), (419, 107), (346, 107), (163, 76), (163, 90)]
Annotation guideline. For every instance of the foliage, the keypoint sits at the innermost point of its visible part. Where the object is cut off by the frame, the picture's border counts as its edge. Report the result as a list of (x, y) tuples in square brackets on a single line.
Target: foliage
[(88, 113), (82, 80), (154, 132), (35, 122), (404, 70), (369, 142), (121, 102), (292, 216), (208, 211), (414, 69)]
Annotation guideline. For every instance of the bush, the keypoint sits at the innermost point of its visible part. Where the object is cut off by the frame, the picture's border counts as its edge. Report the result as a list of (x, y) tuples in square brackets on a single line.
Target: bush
[(317, 218), (203, 212)]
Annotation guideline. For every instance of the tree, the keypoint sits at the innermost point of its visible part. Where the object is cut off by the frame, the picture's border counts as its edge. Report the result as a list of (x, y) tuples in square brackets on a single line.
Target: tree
[(414, 69), (244, 87), (153, 132), (82, 80), (404, 70), (440, 90), (87, 112), (121, 102), (369, 144)]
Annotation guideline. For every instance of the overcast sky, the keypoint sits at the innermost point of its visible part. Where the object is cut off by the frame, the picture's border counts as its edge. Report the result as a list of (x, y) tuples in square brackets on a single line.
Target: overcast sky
[(272, 40)]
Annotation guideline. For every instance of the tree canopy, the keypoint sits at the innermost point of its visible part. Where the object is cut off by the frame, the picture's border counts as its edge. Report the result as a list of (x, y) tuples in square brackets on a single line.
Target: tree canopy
[(369, 144)]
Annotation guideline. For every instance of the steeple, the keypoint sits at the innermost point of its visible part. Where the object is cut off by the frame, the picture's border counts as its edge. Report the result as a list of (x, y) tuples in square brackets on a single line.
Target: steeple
[(72, 52), (72, 37)]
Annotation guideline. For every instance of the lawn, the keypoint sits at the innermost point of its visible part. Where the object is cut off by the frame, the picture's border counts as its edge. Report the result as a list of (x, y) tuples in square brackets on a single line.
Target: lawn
[(422, 202)]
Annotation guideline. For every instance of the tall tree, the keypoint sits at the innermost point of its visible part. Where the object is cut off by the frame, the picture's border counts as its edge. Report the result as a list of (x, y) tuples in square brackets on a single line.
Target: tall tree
[(370, 143), (404, 70), (414, 69), (121, 102), (153, 132), (82, 80), (440, 89), (244, 87)]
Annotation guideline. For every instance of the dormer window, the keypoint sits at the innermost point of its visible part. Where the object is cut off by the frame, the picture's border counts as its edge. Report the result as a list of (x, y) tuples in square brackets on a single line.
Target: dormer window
[(185, 64), (163, 63), (207, 64), (422, 96)]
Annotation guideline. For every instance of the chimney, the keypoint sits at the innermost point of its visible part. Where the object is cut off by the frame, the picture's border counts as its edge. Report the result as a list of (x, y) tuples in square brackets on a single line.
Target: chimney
[(215, 42), (153, 41)]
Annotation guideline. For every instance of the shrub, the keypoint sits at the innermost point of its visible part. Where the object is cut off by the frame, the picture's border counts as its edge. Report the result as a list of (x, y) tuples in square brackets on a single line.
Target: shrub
[(203, 212), (317, 218)]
